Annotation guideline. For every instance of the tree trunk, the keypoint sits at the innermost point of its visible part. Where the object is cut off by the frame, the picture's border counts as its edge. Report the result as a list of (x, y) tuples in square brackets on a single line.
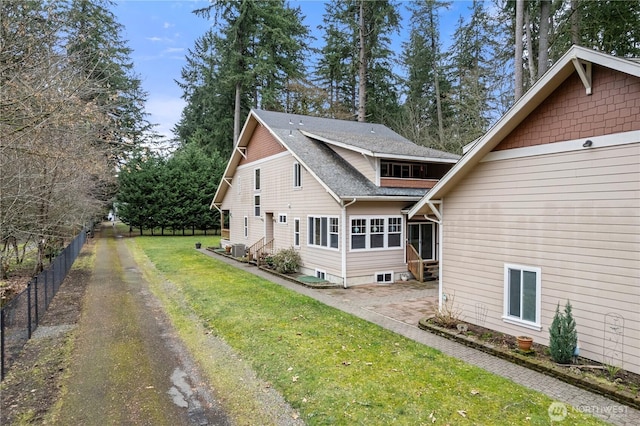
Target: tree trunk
[(575, 23), (436, 78), (362, 67), (236, 116), (543, 54), (530, 55), (518, 49)]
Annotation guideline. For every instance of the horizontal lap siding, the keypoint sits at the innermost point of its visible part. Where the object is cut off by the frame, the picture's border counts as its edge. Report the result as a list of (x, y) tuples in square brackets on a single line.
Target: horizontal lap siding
[(574, 215), (360, 162)]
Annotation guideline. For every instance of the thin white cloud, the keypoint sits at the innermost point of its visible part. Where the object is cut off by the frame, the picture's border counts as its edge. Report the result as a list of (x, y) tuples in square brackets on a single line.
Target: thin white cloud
[(154, 39), (167, 25), (173, 50), (165, 111)]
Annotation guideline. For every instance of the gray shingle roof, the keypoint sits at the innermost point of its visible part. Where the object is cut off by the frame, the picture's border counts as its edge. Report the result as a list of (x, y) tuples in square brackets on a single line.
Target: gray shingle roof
[(338, 175)]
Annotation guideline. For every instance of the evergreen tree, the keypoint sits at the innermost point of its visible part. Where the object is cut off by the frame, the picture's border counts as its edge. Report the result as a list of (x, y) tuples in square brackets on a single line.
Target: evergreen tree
[(141, 191), (95, 46), (427, 85), (248, 60), (563, 336), (611, 27), (473, 75), (356, 67)]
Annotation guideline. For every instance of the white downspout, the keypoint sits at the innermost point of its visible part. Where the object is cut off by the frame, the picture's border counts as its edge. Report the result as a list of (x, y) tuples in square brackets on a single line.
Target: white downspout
[(344, 241), (438, 215)]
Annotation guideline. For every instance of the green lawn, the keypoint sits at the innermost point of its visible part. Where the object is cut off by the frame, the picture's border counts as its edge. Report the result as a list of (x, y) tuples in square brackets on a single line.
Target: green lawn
[(332, 367)]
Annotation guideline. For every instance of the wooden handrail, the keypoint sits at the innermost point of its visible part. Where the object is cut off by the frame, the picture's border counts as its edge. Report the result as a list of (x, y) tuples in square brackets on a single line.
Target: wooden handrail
[(415, 264)]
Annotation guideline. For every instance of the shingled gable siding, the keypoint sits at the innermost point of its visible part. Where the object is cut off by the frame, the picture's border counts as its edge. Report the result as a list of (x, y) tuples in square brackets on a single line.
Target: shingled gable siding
[(261, 145), (569, 113)]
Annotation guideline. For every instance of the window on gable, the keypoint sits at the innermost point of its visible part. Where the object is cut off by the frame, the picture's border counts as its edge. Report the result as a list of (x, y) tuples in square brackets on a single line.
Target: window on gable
[(256, 205), (297, 175), (323, 231), (282, 218), (296, 232), (522, 294), (256, 180)]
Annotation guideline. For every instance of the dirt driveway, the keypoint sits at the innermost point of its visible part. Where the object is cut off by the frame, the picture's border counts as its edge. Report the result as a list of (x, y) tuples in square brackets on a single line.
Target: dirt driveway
[(129, 367)]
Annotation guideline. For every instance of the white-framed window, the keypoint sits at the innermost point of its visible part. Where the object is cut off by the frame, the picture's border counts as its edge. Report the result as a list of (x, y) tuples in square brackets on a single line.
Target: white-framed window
[(321, 274), (256, 205), (323, 231), (358, 234), (282, 218), (296, 232), (384, 277), (297, 175), (522, 287), (246, 226), (394, 232), (376, 232), (256, 179)]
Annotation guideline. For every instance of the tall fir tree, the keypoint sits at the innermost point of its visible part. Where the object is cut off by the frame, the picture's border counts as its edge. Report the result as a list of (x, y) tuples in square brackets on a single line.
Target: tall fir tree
[(356, 64), (256, 49), (95, 45), (427, 107)]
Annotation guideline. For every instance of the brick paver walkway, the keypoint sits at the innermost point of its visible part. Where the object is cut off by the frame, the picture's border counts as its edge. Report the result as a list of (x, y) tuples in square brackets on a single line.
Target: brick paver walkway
[(398, 307)]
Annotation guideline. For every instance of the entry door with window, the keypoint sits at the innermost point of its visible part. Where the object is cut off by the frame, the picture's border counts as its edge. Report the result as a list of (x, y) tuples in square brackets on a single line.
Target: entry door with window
[(422, 238)]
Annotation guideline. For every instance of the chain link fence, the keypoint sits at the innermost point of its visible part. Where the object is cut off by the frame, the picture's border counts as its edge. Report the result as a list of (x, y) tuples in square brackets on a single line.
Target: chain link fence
[(20, 316)]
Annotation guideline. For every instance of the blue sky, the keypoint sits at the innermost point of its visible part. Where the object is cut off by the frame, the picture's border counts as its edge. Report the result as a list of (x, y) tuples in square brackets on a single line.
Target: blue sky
[(160, 32)]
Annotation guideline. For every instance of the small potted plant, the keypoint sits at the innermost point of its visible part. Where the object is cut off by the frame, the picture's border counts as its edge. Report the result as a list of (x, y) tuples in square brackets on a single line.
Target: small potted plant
[(198, 245), (524, 343), (227, 249)]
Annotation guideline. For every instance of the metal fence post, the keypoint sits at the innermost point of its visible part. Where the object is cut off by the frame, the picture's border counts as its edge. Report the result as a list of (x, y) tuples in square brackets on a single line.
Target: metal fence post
[(1, 344), (29, 310), (35, 296)]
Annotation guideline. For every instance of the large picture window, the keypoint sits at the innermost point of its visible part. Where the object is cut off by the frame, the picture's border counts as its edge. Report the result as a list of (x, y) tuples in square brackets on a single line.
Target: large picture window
[(522, 295), (373, 232), (323, 231)]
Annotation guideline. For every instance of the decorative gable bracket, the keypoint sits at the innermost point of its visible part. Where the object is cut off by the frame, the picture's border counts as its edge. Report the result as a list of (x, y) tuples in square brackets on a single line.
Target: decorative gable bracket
[(584, 71), (243, 151)]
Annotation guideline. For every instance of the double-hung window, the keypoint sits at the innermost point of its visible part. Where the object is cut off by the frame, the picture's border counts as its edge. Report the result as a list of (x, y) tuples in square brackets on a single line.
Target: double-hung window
[(522, 295), (376, 232), (323, 231), (296, 232), (256, 194), (297, 175)]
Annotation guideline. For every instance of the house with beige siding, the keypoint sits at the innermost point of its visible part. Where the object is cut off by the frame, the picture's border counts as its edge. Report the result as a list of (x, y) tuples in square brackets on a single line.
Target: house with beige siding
[(336, 191), (545, 208)]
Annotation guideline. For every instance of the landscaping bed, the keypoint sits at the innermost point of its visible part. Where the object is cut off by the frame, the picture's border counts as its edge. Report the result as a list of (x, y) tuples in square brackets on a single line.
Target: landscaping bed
[(614, 383)]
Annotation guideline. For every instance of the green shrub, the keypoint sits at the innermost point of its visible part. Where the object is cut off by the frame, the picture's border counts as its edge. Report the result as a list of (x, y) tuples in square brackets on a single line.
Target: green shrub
[(286, 261), (563, 336)]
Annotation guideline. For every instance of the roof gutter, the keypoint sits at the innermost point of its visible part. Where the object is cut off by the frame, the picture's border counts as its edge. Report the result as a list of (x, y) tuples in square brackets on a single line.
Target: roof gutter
[(344, 240)]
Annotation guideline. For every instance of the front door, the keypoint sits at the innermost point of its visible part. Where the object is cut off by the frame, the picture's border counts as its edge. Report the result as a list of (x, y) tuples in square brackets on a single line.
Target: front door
[(421, 237)]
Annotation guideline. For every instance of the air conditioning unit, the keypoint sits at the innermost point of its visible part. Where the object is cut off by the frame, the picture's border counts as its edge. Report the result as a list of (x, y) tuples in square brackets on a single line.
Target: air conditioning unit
[(238, 250)]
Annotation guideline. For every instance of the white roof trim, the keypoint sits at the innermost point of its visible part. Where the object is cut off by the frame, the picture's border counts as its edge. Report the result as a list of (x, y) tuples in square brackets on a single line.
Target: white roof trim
[(549, 82)]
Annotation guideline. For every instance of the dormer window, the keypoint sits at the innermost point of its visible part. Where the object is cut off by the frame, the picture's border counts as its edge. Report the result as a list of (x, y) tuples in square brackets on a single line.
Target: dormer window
[(412, 170)]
